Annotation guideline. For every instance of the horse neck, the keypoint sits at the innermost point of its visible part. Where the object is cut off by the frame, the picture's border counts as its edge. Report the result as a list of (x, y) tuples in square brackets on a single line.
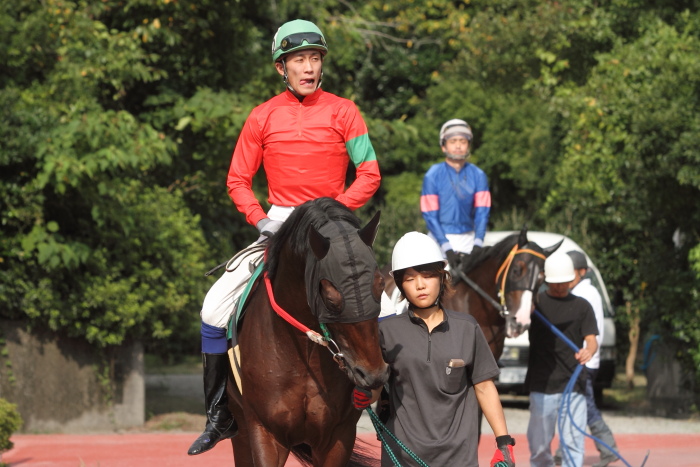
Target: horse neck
[(484, 274), (289, 287)]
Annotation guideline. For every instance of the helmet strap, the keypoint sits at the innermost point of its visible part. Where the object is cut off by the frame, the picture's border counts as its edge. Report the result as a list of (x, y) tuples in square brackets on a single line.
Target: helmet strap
[(437, 301), (436, 304), (454, 157), (291, 89)]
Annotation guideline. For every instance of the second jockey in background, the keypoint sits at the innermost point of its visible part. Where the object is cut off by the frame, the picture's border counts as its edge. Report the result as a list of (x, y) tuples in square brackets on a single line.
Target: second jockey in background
[(455, 199)]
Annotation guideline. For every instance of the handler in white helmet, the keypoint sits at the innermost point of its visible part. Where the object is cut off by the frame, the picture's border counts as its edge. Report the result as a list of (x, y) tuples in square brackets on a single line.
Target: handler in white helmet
[(441, 367)]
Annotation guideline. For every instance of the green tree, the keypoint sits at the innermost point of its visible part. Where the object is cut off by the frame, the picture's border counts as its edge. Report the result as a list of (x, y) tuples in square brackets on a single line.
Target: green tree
[(630, 170)]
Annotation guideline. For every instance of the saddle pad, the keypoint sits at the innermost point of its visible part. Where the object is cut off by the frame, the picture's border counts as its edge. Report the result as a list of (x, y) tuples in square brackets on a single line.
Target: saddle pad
[(234, 353), (239, 307)]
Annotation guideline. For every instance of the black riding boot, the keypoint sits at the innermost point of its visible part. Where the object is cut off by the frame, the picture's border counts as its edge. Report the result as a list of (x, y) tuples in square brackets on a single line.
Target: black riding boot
[(220, 423)]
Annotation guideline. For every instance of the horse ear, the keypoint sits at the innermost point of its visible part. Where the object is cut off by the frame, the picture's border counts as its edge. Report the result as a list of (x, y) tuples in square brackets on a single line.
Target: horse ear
[(552, 249), (319, 244), (368, 233), (522, 239)]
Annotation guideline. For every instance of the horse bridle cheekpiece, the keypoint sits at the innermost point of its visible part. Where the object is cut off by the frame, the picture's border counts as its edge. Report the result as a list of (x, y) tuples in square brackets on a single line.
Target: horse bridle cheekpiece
[(349, 266), (502, 275)]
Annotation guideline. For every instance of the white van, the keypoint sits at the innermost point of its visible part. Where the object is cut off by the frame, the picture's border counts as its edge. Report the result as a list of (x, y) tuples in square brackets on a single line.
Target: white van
[(513, 361)]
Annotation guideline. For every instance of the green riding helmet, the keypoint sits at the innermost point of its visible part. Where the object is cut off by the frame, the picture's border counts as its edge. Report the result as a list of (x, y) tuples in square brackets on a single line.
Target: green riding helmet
[(297, 35)]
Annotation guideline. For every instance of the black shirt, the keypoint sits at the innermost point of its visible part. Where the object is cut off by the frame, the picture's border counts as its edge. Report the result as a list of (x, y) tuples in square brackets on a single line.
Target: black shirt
[(552, 362)]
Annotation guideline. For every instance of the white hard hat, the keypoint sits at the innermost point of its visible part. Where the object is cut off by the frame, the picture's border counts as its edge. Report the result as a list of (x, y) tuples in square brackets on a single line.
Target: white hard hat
[(415, 249), (559, 268), (455, 127)]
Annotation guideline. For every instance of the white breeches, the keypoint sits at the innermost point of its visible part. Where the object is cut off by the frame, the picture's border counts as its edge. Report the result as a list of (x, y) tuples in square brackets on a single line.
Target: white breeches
[(221, 299)]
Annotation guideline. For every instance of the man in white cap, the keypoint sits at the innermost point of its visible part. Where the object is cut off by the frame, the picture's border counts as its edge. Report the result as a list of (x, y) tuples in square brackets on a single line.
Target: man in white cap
[(551, 362), (455, 199), (582, 287)]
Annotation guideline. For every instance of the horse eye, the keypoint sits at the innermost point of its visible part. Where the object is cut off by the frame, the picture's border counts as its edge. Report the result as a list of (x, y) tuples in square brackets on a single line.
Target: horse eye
[(332, 298), (377, 285)]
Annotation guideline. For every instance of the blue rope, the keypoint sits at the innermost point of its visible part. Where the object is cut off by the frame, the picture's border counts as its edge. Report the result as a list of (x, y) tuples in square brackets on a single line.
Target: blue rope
[(566, 396)]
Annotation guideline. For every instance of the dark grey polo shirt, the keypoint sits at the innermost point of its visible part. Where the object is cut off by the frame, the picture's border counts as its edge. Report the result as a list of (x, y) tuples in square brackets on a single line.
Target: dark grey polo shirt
[(434, 409)]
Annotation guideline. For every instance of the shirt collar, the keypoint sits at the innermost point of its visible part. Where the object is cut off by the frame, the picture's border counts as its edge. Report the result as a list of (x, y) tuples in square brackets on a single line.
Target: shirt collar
[(418, 321), (308, 100)]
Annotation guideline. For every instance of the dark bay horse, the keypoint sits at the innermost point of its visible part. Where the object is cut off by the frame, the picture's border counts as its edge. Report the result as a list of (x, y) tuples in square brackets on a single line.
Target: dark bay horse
[(296, 395), (509, 274)]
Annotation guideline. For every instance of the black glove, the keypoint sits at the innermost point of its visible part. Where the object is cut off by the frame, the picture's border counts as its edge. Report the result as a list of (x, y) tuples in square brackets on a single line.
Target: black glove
[(453, 259), (504, 456), (361, 398)]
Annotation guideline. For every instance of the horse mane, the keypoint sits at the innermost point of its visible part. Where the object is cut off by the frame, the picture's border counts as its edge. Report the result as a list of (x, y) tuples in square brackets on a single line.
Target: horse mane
[(294, 232), (473, 260)]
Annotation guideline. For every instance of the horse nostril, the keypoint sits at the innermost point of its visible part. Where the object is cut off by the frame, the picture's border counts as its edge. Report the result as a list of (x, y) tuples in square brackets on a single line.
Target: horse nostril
[(360, 373)]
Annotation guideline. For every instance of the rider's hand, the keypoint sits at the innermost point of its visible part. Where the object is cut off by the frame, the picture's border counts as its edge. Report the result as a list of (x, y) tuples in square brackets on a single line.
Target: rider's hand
[(475, 249), (267, 228), (361, 398), (504, 456), (452, 259)]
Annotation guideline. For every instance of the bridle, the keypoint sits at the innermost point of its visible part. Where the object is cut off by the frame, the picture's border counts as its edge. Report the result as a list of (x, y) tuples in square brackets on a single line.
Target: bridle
[(505, 268), (503, 272), (315, 337)]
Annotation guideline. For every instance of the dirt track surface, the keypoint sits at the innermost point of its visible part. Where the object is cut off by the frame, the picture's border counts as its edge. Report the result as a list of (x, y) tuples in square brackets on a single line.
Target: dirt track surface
[(169, 449)]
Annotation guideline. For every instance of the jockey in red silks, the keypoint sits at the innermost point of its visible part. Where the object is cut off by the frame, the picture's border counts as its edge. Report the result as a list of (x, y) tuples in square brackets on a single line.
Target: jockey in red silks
[(304, 138)]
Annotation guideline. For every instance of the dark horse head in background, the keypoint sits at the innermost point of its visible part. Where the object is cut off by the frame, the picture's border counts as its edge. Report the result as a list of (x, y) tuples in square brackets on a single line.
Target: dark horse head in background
[(295, 396), (510, 273)]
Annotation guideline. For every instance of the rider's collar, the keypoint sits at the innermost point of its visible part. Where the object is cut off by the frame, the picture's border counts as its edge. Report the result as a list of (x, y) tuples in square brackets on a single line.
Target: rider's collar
[(308, 100)]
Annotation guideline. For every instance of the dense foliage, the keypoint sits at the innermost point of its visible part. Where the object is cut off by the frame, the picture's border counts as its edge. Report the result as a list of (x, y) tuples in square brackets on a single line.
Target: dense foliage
[(119, 118), (10, 422)]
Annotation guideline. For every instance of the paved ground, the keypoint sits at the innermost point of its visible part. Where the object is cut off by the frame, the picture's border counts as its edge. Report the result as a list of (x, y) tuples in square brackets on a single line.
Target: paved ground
[(169, 449), (669, 442)]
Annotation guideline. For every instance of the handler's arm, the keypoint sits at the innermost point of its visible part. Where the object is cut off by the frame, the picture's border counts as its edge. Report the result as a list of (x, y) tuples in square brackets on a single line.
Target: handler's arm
[(490, 403), (589, 350)]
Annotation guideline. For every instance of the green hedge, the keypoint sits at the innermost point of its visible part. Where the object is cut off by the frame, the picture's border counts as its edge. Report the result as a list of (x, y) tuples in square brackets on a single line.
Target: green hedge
[(10, 421)]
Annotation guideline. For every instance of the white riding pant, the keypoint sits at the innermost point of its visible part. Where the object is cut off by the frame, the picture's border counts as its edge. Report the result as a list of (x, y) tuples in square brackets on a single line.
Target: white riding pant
[(221, 299), (461, 243)]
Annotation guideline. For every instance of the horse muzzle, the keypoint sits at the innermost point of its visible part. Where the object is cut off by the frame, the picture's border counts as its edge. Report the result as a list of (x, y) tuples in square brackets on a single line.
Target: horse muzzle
[(367, 377)]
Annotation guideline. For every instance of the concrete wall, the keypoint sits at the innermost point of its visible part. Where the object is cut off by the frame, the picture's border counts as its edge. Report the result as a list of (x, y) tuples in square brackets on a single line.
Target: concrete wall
[(58, 385)]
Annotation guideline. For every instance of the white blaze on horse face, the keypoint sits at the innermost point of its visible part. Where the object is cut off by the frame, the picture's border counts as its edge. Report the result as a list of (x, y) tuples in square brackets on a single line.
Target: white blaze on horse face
[(522, 316)]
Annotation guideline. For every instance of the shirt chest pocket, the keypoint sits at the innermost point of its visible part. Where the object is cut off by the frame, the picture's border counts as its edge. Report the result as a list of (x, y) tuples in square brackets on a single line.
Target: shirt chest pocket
[(453, 379)]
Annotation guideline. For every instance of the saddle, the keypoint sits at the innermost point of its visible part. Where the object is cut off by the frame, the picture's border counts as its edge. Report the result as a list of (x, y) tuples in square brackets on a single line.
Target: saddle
[(240, 305)]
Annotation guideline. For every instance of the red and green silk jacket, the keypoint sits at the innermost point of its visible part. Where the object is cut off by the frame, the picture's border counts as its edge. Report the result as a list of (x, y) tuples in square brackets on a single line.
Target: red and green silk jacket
[(305, 148)]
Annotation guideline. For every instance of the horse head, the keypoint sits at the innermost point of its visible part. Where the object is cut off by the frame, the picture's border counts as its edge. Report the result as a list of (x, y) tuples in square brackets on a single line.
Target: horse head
[(344, 289), (519, 279)]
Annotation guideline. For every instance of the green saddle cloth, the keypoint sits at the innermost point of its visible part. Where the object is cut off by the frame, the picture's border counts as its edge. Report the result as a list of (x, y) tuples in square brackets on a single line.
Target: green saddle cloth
[(240, 304)]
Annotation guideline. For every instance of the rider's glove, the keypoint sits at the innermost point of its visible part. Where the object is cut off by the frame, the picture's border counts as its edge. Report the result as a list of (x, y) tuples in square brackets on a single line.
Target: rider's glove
[(452, 259), (504, 456), (361, 398), (267, 228)]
